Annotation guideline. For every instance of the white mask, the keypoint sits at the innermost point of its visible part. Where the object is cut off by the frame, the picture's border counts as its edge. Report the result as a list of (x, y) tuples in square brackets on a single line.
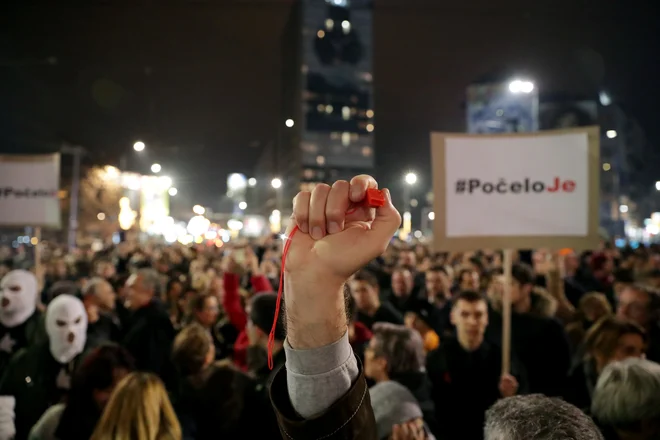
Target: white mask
[(66, 325), (18, 297)]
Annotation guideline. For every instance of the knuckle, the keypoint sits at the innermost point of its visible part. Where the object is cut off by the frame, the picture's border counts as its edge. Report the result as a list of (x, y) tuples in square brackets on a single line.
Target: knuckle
[(340, 183), (333, 213)]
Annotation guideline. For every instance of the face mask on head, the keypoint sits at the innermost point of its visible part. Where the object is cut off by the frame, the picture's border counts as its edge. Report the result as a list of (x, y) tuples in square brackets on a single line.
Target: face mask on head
[(18, 297), (66, 324)]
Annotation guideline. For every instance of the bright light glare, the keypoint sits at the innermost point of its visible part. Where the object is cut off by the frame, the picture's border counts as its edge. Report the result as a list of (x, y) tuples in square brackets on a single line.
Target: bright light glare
[(173, 191), (234, 225), (155, 168), (611, 134), (605, 99), (199, 210), (236, 181), (607, 166), (252, 181), (411, 178), (242, 205), (519, 86), (165, 181), (111, 172), (276, 183), (289, 123), (100, 216), (138, 146), (431, 215), (657, 185), (418, 234), (623, 208)]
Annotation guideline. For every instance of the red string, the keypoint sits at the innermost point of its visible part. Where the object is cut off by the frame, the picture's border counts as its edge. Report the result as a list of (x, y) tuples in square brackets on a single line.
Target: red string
[(285, 251)]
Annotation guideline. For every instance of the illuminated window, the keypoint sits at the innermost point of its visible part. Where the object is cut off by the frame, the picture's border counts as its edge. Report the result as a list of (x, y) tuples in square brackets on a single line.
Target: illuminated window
[(346, 139), (370, 113), (320, 160), (366, 151), (370, 127), (346, 113), (320, 34)]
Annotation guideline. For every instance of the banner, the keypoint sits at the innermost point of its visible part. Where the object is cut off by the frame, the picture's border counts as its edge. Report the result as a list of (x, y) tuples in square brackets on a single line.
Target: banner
[(29, 188), (516, 191)]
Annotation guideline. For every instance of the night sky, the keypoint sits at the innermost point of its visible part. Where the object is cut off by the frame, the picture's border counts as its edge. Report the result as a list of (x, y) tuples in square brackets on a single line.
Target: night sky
[(198, 81)]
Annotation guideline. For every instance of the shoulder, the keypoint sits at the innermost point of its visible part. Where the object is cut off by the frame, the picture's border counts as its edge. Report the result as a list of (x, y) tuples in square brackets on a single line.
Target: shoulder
[(45, 428)]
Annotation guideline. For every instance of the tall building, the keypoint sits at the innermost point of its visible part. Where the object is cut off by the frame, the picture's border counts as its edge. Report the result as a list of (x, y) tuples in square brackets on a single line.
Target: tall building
[(326, 126)]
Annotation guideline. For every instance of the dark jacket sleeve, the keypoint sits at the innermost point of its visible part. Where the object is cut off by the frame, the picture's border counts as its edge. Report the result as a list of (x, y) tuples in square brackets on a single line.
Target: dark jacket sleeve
[(351, 417)]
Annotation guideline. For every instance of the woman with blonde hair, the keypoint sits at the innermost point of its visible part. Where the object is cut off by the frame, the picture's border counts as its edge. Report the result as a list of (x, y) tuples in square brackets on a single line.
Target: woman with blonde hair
[(139, 409)]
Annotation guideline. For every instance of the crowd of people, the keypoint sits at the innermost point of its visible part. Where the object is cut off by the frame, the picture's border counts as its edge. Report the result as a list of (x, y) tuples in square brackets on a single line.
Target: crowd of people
[(151, 341)]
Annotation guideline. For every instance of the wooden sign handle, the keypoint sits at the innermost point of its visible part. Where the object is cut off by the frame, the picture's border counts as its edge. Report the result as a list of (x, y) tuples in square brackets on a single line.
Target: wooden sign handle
[(506, 312)]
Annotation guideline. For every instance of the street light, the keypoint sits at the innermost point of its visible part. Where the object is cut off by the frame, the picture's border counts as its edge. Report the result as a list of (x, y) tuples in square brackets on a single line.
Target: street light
[(623, 209), (139, 146), (172, 191), (289, 123), (276, 183), (155, 168), (411, 178), (657, 185), (431, 215), (252, 182), (199, 210), (611, 134), (520, 86), (605, 99), (100, 216), (242, 206)]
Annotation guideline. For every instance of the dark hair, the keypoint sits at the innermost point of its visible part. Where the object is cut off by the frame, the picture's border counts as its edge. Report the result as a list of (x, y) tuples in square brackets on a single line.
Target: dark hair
[(468, 296), (438, 268), (623, 276), (523, 274), (190, 348), (96, 372), (262, 314), (367, 277), (198, 302), (604, 335)]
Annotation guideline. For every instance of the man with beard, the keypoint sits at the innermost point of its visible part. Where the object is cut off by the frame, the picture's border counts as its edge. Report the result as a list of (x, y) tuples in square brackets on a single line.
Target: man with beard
[(40, 376), (20, 323)]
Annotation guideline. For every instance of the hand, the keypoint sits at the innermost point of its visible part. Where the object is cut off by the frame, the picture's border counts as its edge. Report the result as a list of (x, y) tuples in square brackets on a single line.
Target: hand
[(409, 431), (508, 385), (328, 248)]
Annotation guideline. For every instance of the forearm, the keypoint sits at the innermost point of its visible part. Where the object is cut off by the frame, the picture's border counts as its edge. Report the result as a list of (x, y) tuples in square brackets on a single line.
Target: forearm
[(314, 319)]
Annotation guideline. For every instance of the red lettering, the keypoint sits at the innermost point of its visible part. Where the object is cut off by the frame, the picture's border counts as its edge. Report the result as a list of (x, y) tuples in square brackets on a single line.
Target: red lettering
[(568, 186), (556, 185)]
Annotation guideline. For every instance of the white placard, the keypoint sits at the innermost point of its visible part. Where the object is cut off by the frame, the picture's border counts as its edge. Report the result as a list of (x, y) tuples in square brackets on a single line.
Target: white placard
[(517, 186), (524, 189), (29, 188)]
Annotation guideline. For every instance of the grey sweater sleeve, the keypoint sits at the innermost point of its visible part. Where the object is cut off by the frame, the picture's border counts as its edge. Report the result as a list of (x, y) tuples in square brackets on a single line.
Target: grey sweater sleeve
[(319, 377)]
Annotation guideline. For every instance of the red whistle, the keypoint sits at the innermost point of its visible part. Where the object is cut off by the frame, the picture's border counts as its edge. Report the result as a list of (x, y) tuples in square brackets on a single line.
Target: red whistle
[(375, 198)]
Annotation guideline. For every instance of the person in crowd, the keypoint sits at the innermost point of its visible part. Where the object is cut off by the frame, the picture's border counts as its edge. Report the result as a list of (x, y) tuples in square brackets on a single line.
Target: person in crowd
[(396, 353), (437, 286), (610, 339), (395, 410), (39, 376), (91, 387), (99, 300), (192, 353), (150, 334), (622, 278), (321, 391), (139, 408), (262, 313), (592, 307), (641, 304), (359, 334), (466, 371), (538, 417), (468, 279), (403, 291), (370, 308), (626, 400), (173, 293), (205, 311), (20, 321), (538, 340), (423, 317)]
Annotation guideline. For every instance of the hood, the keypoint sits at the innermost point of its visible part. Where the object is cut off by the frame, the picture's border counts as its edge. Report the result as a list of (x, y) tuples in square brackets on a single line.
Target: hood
[(543, 304)]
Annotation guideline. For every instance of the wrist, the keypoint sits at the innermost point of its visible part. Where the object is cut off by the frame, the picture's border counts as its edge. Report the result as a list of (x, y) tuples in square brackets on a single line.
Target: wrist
[(315, 313)]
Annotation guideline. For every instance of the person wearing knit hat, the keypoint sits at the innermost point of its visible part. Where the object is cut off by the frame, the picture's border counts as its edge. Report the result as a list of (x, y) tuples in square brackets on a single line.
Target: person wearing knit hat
[(393, 404), (261, 315)]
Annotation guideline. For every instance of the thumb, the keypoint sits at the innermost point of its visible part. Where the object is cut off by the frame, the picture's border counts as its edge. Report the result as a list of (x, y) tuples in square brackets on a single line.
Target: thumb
[(386, 223)]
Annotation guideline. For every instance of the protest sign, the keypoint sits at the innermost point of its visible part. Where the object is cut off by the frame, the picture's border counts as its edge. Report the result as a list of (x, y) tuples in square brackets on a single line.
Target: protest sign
[(29, 188), (517, 191)]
